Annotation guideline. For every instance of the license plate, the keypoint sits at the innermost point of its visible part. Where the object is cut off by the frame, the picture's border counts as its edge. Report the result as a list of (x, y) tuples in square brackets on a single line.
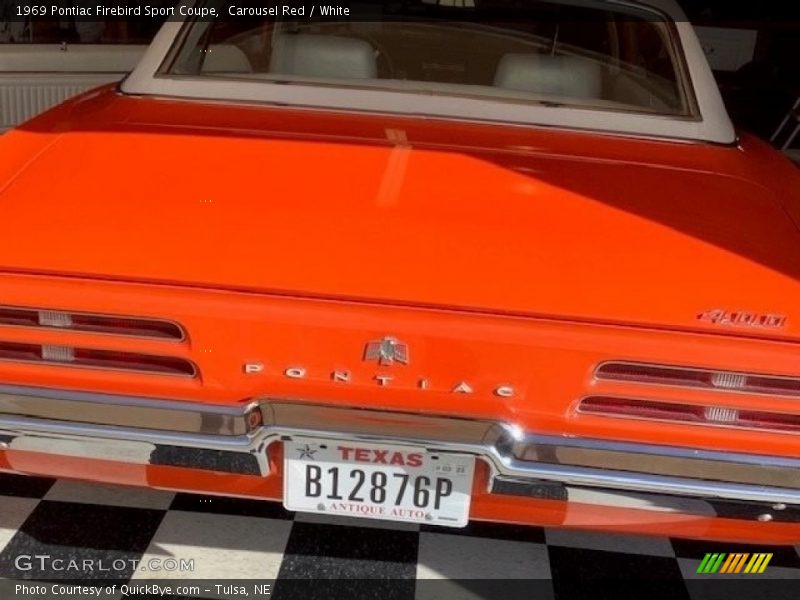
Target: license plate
[(377, 481)]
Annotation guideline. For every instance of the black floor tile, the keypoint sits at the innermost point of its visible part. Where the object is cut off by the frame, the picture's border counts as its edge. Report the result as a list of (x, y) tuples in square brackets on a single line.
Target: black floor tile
[(329, 561), (594, 574), (329, 551), (73, 533), (498, 531), (22, 485)]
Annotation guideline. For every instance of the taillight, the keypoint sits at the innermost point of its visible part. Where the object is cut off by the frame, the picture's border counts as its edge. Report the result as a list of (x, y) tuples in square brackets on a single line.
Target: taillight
[(763, 420), (643, 409), (99, 359), (699, 378), (92, 323), (654, 410)]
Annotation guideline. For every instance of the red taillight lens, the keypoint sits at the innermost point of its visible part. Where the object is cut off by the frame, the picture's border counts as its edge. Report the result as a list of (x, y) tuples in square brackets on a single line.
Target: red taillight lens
[(688, 413), (71, 321), (130, 361), (643, 409), (100, 359), (699, 378), (122, 326), (762, 420)]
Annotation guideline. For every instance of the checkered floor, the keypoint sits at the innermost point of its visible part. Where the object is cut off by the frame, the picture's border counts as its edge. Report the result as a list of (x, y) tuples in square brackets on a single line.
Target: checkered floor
[(229, 538)]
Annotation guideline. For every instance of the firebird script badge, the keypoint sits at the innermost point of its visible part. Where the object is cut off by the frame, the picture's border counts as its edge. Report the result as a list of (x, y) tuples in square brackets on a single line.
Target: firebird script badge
[(387, 351), (743, 318)]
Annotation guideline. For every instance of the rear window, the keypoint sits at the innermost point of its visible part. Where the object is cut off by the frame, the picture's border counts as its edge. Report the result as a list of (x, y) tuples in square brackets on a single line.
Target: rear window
[(583, 56)]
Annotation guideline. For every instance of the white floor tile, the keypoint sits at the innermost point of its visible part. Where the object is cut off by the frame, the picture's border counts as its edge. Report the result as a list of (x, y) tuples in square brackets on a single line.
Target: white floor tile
[(222, 546), (612, 542), (461, 557), (13, 512), (111, 495)]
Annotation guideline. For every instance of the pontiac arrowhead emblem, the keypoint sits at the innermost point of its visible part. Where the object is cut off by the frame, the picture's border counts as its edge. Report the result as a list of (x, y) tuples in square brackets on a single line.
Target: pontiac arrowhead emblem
[(387, 351)]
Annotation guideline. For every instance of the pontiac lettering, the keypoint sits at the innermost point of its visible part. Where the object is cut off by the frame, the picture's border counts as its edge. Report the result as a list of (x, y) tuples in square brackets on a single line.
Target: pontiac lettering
[(346, 377)]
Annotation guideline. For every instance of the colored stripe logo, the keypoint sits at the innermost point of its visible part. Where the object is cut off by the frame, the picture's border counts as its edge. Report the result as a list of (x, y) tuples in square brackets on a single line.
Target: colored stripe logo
[(741, 562)]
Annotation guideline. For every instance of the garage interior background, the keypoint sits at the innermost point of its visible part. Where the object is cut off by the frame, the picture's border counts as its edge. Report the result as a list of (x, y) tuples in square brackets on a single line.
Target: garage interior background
[(753, 47)]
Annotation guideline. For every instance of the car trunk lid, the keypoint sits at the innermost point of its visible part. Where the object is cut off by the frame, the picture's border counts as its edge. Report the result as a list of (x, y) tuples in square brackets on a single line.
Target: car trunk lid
[(523, 230)]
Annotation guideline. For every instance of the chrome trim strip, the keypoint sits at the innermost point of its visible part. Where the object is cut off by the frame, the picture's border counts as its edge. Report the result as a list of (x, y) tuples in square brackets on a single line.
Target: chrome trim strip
[(123, 411), (700, 507), (433, 431), (524, 451), (644, 482), (17, 427), (505, 449), (220, 453)]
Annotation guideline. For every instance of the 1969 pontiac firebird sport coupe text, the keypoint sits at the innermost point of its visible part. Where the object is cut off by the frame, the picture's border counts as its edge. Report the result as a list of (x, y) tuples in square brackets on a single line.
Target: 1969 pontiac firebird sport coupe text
[(431, 267)]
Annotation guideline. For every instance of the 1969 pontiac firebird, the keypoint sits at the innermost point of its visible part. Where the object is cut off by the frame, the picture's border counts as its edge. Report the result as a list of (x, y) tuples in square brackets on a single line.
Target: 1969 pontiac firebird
[(425, 268)]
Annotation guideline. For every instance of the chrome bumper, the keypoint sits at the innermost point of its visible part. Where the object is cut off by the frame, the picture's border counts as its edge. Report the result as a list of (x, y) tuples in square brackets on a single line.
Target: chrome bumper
[(235, 439)]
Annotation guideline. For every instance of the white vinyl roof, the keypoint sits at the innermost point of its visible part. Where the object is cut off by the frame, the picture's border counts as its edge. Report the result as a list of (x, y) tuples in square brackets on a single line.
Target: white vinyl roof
[(712, 123)]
